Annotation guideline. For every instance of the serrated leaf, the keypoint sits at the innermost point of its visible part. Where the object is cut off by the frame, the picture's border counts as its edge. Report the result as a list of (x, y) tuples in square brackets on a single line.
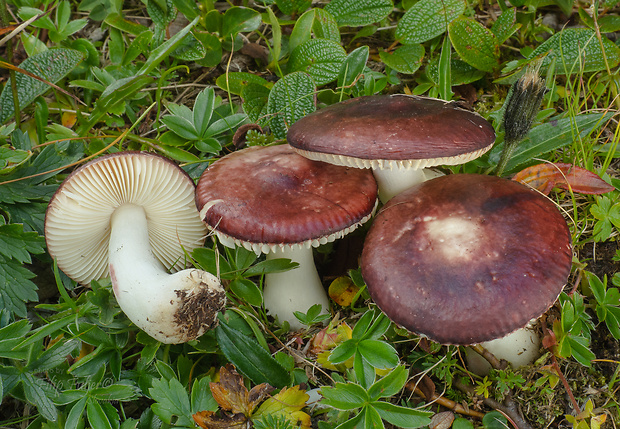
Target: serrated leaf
[(404, 59), (17, 244), (171, 400), (290, 99), (51, 65), (36, 392), (475, 44), (320, 58), (390, 384), (249, 357), (16, 289), (550, 136), (428, 19), (360, 12), (577, 49)]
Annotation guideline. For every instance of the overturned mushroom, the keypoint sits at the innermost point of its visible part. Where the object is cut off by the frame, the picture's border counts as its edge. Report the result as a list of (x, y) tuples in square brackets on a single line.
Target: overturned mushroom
[(131, 216)]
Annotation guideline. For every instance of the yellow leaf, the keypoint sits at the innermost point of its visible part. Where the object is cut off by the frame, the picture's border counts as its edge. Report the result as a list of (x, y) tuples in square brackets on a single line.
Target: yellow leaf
[(343, 290), (288, 402)]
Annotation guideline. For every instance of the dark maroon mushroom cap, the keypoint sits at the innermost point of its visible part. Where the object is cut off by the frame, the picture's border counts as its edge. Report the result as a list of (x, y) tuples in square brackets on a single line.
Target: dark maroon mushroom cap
[(272, 195), (465, 259), (393, 127)]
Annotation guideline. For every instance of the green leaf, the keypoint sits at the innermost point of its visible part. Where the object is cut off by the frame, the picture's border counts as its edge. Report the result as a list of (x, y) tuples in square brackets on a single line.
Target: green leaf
[(201, 397), (360, 12), (476, 44), (405, 59), (353, 66), (290, 7), (378, 353), (172, 401), (320, 58), (402, 417), (372, 419), (325, 26), (247, 291), (97, 416), (580, 351), (428, 19), (550, 136), (344, 396), (17, 244), (203, 110), (390, 384), (36, 392), (290, 99), (577, 50), (53, 356), (302, 31), (190, 49), (51, 65), (505, 26), (364, 372), (16, 289), (494, 420), (255, 99), (249, 357), (277, 265), (343, 352), (235, 82), (180, 126), (75, 413), (228, 123), (116, 20), (239, 20)]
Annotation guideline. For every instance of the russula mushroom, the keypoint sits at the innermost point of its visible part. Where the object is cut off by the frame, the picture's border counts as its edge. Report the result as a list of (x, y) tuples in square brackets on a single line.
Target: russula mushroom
[(131, 216), (273, 200), (397, 136), (464, 259)]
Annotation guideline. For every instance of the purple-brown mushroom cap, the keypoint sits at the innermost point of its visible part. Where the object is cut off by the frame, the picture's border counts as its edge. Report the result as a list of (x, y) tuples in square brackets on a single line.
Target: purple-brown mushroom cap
[(265, 197), (386, 131), (464, 259)]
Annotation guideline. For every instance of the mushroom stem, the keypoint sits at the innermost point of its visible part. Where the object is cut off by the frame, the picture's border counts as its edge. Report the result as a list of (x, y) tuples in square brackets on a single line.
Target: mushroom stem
[(393, 181), (172, 308), (294, 290), (519, 348)]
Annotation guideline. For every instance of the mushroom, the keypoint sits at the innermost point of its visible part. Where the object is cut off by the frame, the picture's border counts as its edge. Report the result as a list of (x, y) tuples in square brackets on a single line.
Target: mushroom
[(398, 136), (272, 200), (464, 259), (131, 216)]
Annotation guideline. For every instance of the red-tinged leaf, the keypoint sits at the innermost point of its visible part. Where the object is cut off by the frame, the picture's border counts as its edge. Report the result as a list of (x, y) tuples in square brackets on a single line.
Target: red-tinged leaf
[(545, 177), (232, 395), (209, 420)]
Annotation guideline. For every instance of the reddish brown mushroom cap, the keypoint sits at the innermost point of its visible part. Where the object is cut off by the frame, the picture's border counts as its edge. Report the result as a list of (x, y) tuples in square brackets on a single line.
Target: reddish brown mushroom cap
[(273, 196), (420, 132), (464, 259)]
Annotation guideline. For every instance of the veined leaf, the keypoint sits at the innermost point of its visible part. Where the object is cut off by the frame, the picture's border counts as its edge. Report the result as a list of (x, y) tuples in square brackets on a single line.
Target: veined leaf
[(428, 19), (359, 12), (249, 357), (235, 82), (325, 26), (344, 396), (405, 59), (51, 65), (476, 44), (320, 58), (577, 49), (545, 177), (290, 99)]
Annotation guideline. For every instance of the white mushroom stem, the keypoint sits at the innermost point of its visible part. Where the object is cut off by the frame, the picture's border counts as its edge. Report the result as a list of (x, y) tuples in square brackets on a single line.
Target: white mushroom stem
[(172, 308), (519, 348), (393, 181), (294, 290)]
